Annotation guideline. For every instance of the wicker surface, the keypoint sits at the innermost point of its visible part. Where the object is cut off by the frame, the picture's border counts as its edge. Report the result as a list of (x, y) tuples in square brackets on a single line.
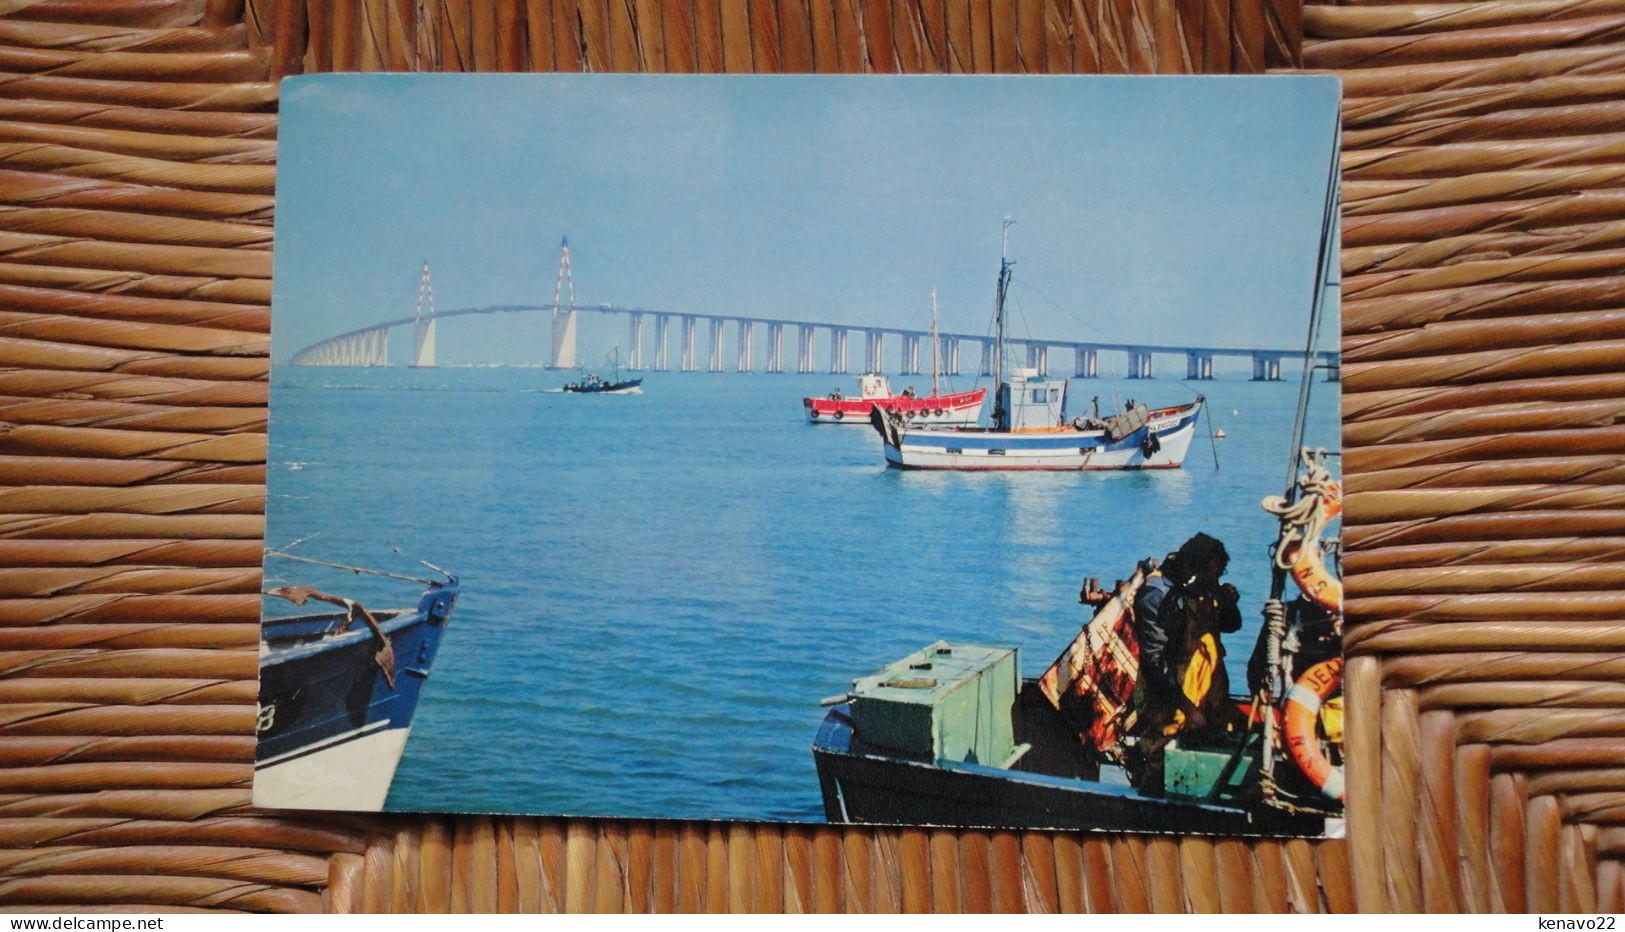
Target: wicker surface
[(1484, 338)]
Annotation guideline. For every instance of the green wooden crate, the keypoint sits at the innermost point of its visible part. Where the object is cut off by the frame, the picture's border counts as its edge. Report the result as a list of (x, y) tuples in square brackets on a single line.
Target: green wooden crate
[(1188, 772), (948, 702)]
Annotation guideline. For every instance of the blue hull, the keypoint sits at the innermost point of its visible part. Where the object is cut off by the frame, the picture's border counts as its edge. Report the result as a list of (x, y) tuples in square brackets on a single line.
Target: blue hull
[(321, 689)]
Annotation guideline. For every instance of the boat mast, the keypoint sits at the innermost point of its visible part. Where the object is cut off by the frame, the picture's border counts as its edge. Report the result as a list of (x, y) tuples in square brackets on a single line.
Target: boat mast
[(1327, 277), (935, 344), (1001, 417)]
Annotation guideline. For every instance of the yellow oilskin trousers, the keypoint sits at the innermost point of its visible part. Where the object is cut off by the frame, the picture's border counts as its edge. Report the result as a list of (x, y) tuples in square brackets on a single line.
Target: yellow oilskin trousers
[(1198, 680)]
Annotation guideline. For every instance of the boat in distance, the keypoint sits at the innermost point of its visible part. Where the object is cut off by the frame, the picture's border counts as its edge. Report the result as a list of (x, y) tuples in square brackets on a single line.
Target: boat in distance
[(938, 409), (1031, 430), (943, 410), (591, 383), (594, 384), (338, 690)]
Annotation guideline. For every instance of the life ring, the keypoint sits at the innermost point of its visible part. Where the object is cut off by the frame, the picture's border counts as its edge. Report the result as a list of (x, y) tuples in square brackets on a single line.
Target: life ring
[(813, 413), (938, 412), (1303, 703), (1307, 564), (840, 415)]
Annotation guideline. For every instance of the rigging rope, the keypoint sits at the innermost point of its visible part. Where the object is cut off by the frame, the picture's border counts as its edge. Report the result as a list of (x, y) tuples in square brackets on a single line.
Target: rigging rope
[(362, 570)]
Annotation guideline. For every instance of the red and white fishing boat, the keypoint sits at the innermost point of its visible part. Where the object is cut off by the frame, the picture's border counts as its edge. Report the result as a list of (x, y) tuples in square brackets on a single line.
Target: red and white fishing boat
[(955, 409)]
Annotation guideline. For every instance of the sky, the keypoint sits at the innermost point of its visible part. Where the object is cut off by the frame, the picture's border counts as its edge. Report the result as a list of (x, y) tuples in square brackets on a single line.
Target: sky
[(1154, 210)]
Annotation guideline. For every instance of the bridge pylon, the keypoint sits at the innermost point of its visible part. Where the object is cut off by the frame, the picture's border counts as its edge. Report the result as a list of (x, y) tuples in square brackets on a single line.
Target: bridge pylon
[(564, 316), (423, 355)]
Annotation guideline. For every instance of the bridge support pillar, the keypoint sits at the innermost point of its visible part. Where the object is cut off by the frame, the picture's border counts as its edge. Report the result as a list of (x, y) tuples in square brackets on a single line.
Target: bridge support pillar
[(634, 354), (775, 347), (1266, 369), (423, 354), (837, 350), (564, 339), (1334, 371), (367, 349), (1085, 363), (1038, 358), (662, 337), (986, 367), (1272, 371), (717, 340), (911, 355), (689, 362), (1139, 365), (806, 349), (874, 352), (743, 346), (950, 355), (1198, 366)]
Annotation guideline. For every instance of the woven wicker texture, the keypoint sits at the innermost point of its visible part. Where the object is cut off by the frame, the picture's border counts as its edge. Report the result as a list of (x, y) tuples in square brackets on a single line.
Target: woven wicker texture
[(1484, 257)]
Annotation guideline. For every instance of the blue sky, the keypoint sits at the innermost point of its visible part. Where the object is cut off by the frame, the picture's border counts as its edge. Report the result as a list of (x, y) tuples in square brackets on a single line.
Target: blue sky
[(1178, 210)]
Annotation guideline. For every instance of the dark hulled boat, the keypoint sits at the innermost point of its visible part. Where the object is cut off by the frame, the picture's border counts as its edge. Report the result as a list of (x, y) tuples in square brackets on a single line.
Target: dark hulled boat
[(946, 737), (338, 690), (593, 384), (861, 783)]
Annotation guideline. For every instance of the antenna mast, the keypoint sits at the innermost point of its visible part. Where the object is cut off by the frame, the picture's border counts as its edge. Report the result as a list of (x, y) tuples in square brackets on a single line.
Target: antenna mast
[(1000, 416), (935, 343)]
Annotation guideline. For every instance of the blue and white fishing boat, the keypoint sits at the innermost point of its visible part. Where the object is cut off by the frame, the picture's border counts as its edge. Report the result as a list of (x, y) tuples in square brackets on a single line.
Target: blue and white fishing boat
[(337, 693), (1031, 429)]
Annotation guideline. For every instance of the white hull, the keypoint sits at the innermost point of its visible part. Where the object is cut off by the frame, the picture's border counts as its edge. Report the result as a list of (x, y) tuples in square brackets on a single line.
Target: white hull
[(1072, 451), (353, 772)]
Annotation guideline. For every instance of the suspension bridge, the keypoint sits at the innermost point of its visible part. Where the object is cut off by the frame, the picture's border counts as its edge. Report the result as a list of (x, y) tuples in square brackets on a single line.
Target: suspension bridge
[(819, 346)]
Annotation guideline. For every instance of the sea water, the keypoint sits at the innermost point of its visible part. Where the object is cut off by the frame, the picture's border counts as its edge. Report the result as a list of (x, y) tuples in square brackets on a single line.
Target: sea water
[(658, 589)]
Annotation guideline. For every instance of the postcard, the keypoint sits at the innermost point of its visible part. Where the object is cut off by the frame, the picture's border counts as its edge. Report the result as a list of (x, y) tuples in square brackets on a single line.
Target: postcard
[(949, 451)]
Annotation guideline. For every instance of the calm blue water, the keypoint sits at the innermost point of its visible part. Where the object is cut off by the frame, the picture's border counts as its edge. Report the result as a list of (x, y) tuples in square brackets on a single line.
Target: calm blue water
[(658, 589)]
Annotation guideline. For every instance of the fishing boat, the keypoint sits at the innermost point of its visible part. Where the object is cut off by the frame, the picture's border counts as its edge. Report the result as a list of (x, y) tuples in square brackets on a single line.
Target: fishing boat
[(954, 735), (954, 408), (591, 383), (594, 384), (1031, 430), (874, 392), (338, 690), (873, 771)]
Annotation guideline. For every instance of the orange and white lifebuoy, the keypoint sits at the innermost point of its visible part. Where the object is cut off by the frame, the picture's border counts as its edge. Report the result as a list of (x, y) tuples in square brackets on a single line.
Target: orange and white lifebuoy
[(1303, 702), (1307, 562)]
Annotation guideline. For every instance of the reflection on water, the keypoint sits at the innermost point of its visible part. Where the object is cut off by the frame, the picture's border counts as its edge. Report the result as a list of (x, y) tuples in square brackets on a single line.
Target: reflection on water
[(658, 589)]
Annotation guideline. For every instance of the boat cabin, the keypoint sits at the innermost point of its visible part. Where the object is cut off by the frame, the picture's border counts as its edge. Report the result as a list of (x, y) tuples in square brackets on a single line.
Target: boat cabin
[(873, 386), (1032, 402)]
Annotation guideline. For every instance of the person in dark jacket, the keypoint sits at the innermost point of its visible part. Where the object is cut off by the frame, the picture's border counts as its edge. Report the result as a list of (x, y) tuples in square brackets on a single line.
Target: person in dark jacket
[(1180, 614)]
